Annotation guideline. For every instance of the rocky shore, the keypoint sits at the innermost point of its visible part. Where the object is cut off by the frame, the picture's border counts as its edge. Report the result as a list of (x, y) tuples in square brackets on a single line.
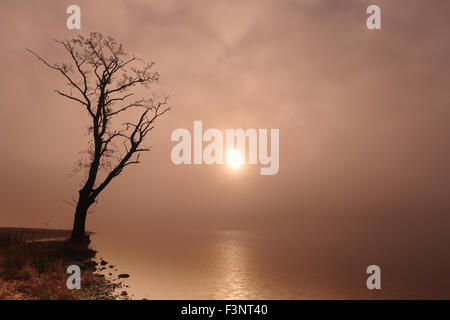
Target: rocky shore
[(33, 268)]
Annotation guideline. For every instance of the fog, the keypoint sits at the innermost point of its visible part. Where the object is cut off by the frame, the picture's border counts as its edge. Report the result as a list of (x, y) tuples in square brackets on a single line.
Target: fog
[(363, 118)]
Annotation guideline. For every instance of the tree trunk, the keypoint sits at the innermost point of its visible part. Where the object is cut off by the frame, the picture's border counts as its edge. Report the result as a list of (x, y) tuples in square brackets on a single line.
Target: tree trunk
[(79, 224)]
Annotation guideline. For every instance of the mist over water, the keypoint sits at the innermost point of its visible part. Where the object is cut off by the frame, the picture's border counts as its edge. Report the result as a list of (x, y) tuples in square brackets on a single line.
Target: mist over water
[(269, 265), (364, 146)]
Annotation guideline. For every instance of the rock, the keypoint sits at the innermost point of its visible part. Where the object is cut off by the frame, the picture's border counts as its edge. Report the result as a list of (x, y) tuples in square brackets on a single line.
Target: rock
[(111, 266), (110, 274), (90, 265), (124, 294), (123, 275), (103, 262)]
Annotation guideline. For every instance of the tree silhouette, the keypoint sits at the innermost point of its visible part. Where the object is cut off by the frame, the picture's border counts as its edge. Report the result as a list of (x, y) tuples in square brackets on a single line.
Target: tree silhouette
[(100, 77)]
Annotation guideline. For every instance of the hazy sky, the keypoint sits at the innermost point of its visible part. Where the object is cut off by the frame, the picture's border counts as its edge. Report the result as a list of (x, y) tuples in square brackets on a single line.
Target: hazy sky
[(363, 115)]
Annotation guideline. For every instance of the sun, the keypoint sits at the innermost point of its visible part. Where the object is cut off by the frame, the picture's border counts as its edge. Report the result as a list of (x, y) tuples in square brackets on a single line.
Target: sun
[(234, 159)]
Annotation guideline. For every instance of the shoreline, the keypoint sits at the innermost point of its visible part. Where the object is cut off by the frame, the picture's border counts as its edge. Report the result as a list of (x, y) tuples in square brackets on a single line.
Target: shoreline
[(33, 264)]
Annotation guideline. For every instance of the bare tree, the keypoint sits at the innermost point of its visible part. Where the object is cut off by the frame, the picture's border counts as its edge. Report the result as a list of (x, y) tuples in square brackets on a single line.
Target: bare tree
[(100, 77)]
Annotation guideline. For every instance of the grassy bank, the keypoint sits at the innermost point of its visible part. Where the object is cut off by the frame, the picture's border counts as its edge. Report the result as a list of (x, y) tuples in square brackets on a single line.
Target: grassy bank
[(31, 269)]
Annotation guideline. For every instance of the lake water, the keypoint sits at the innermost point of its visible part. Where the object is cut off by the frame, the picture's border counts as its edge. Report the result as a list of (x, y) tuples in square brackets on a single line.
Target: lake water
[(250, 265)]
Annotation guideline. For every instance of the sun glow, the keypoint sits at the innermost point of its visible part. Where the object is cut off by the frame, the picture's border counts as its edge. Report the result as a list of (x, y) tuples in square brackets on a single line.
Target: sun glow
[(234, 159)]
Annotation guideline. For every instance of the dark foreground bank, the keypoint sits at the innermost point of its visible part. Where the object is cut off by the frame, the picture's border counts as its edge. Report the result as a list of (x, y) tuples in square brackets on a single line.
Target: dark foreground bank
[(33, 265)]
